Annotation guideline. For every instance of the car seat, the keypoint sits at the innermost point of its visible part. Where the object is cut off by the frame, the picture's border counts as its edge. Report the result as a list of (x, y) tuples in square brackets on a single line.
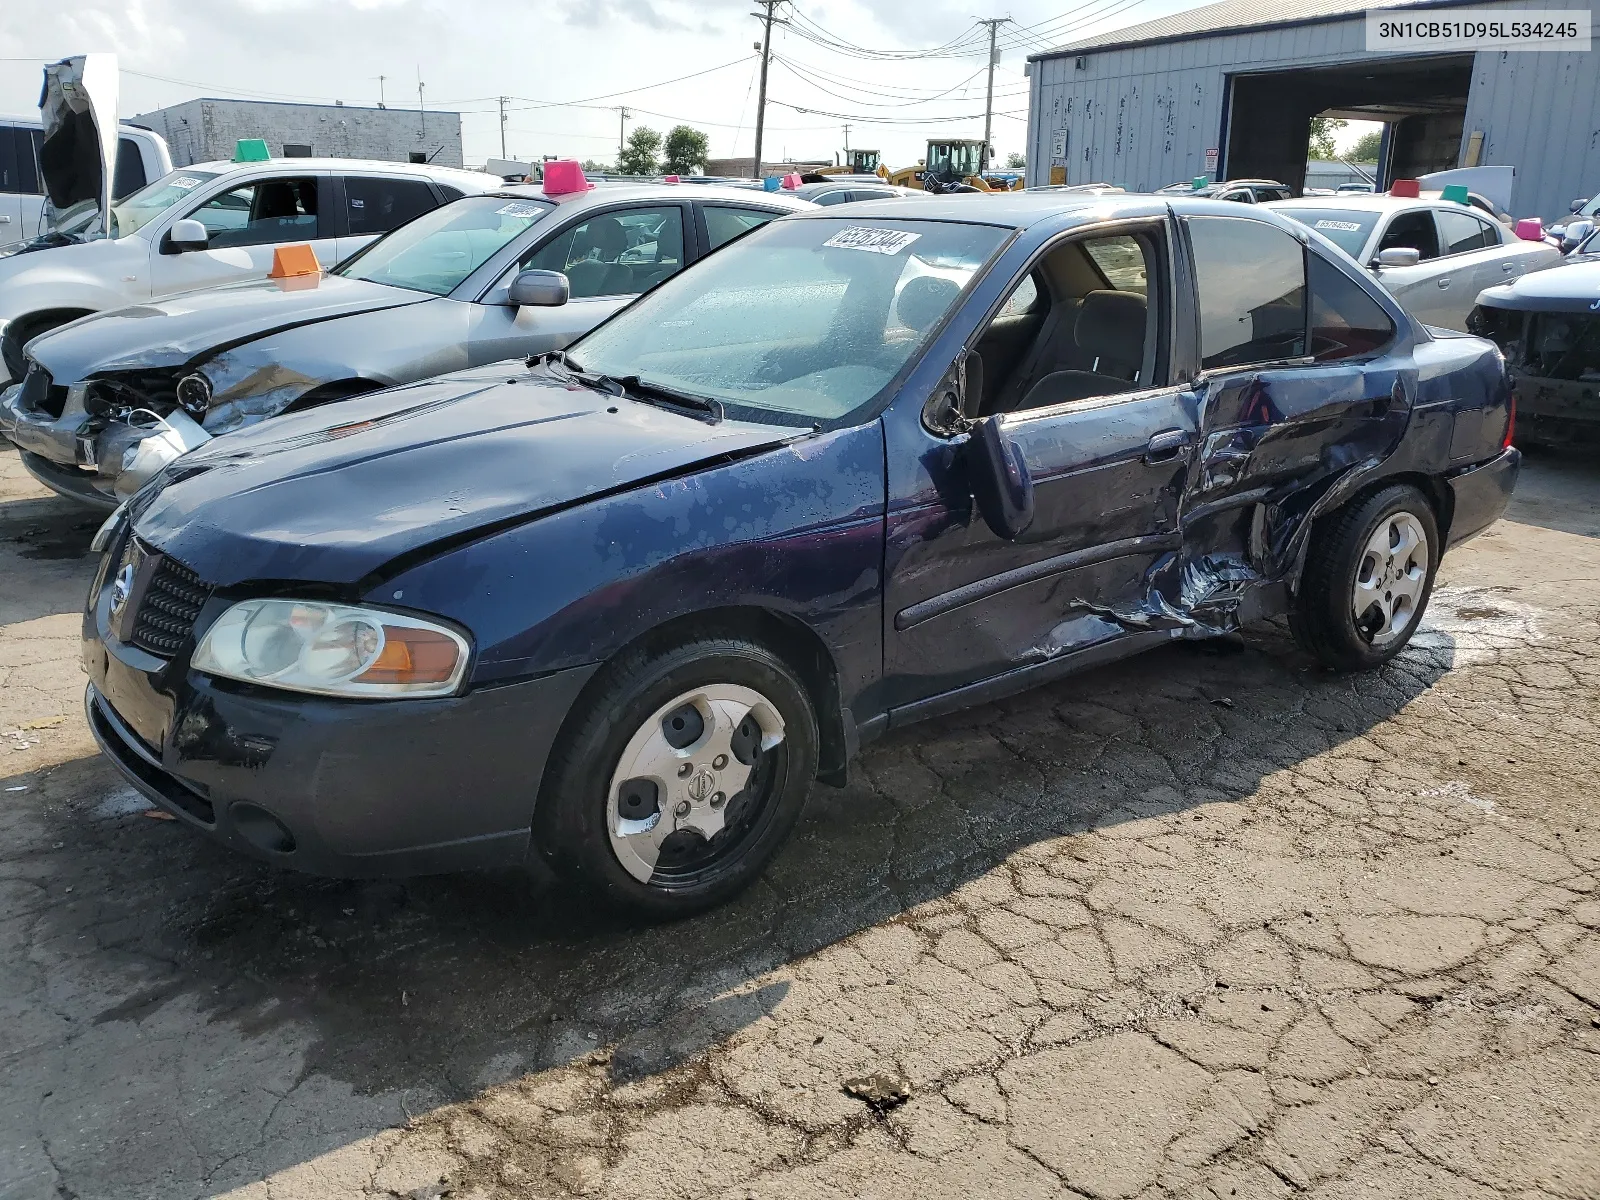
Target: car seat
[(1110, 332), (598, 273)]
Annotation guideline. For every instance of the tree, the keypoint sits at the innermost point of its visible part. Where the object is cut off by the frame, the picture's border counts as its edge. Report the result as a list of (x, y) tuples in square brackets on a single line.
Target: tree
[(1324, 131), (1366, 147), (592, 167), (639, 156), (1016, 161), (686, 151)]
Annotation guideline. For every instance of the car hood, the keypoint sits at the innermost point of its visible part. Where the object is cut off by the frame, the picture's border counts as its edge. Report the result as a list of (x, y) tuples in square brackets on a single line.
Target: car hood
[(332, 495), (78, 109), (171, 333), (1571, 288)]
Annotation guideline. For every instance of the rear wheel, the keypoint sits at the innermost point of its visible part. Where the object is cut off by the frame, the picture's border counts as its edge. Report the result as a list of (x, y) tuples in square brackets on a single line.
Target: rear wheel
[(1369, 573), (681, 777)]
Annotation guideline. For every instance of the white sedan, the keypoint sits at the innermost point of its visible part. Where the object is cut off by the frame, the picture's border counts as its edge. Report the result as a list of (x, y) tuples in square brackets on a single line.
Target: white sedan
[(1433, 255)]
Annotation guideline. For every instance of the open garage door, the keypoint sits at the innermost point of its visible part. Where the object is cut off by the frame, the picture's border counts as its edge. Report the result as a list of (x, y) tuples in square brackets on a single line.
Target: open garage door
[(1425, 99)]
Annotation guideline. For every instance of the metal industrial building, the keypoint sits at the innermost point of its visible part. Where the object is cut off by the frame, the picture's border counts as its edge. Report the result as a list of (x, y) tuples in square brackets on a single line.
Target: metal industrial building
[(209, 129), (1228, 90)]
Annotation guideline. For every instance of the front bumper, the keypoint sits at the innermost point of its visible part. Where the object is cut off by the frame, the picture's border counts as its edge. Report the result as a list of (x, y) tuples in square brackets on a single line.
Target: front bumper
[(1481, 494), (350, 789), (1557, 411)]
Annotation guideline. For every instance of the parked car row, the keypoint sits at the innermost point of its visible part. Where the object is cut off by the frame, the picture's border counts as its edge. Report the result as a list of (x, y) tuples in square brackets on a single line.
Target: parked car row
[(686, 529)]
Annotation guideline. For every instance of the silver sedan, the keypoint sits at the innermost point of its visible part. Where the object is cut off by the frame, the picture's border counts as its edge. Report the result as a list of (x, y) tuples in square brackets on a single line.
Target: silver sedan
[(439, 294), (1433, 255)]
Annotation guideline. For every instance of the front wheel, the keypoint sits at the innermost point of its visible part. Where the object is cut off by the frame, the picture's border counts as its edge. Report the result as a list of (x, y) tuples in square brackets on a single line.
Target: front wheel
[(681, 776), (1369, 573)]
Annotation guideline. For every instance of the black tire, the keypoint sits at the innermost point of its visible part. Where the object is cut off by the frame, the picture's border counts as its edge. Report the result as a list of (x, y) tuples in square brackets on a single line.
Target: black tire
[(570, 824), (1323, 619)]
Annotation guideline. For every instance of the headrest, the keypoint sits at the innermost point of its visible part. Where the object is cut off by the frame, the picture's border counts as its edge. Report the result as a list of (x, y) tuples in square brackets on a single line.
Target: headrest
[(1111, 325), (605, 235), (924, 300)]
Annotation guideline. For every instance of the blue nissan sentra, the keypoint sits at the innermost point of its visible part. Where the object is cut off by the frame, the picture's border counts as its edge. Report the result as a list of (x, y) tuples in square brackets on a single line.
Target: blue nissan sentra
[(620, 606)]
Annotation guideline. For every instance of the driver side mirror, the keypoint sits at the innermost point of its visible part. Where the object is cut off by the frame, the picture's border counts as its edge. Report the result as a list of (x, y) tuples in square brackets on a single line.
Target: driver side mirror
[(1001, 484), (1397, 256), (186, 236), (539, 289), (1578, 203)]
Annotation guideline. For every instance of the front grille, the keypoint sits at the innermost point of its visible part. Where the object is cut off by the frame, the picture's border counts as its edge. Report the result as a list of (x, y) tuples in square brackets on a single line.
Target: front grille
[(169, 608), (40, 394)]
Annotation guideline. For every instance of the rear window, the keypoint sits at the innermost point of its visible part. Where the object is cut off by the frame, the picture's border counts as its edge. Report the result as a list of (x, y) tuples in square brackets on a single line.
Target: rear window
[(378, 204), (1252, 285), (1346, 228), (1346, 322)]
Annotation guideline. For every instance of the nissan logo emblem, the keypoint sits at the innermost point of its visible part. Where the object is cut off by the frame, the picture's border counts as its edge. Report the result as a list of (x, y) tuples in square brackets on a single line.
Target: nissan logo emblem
[(121, 586)]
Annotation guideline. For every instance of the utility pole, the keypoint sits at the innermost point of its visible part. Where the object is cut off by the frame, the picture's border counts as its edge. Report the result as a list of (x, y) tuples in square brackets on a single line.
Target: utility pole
[(994, 24), (847, 143), (381, 104), (769, 11), (422, 108), (622, 129), (503, 100)]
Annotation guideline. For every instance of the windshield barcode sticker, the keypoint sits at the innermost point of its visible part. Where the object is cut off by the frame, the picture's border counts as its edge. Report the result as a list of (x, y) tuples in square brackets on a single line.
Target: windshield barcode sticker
[(520, 208), (873, 241), (1346, 226), (185, 182)]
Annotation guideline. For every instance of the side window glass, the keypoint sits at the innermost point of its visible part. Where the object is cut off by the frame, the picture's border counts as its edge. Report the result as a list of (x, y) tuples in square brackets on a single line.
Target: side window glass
[(725, 224), (838, 197), (1346, 322), (266, 213), (616, 254), (1251, 279), (129, 177), (9, 181), (1460, 232), (1021, 301), (377, 205), (1121, 261), (1413, 231)]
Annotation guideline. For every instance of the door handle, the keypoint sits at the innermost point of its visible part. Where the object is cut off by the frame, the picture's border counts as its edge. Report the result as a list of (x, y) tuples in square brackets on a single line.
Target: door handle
[(5, 220), (1508, 266), (1444, 282), (1165, 445)]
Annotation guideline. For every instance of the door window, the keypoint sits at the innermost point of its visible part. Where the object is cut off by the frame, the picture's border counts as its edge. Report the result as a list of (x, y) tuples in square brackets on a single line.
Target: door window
[(1121, 260), (1412, 231), (1346, 322), (1251, 279), (1461, 231), (725, 224), (616, 253), (8, 158), (261, 214), (129, 176), (19, 160), (377, 204)]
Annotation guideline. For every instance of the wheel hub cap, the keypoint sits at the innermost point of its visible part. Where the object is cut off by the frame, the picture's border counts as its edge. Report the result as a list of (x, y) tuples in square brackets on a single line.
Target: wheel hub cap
[(1390, 579), (684, 768)]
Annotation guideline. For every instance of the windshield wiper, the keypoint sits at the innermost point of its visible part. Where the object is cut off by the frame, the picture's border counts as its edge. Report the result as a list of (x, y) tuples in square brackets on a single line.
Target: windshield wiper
[(631, 387)]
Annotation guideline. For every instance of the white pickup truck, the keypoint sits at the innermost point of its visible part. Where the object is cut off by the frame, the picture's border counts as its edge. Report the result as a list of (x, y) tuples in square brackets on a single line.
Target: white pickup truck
[(142, 157)]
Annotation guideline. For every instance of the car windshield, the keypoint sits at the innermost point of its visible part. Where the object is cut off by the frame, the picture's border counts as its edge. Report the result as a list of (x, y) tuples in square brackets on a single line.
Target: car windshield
[(801, 322), (438, 250), (138, 210), (1346, 228)]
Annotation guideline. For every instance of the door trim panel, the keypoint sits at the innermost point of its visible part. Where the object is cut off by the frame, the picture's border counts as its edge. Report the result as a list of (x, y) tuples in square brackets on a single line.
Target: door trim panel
[(981, 589)]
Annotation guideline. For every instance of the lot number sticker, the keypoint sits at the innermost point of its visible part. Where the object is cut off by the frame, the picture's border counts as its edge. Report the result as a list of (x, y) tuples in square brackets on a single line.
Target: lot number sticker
[(873, 241), (520, 208), (1345, 226), (186, 182)]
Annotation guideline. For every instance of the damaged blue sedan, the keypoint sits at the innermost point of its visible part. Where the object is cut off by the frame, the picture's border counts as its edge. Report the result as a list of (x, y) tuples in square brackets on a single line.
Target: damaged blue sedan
[(619, 607)]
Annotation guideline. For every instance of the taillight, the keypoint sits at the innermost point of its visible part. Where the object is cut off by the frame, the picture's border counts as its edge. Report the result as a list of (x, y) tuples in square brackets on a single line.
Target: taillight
[(1511, 422)]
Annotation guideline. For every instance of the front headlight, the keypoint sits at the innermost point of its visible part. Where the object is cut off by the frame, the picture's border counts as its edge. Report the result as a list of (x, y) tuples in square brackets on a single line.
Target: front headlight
[(332, 650)]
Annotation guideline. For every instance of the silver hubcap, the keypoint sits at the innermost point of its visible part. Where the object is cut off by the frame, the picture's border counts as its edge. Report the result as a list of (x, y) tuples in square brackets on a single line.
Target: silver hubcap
[(683, 768), (1390, 578)]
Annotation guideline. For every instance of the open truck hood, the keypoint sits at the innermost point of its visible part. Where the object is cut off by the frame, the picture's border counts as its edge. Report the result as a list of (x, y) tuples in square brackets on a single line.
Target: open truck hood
[(331, 495), (78, 158)]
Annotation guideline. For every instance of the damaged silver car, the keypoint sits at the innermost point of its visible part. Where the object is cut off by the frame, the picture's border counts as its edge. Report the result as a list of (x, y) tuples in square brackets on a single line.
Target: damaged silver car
[(110, 399)]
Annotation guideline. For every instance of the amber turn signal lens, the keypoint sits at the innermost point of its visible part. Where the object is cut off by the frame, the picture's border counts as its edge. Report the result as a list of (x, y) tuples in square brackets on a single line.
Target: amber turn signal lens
[(412, 656)]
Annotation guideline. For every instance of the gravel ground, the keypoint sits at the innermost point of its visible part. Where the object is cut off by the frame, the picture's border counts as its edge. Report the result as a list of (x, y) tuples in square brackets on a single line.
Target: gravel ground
[(1210, 923)]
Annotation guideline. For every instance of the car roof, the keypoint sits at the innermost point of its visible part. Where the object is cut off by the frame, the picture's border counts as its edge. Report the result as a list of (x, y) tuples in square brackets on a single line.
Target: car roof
[(482, 179), (605, 193), (1021, 210)]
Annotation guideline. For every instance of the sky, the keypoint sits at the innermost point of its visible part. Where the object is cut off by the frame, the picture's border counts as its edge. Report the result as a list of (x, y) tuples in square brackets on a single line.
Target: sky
[(568, 64)]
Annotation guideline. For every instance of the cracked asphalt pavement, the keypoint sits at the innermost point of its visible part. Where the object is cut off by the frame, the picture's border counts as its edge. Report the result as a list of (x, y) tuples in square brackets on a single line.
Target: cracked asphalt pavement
[(1210, 924)]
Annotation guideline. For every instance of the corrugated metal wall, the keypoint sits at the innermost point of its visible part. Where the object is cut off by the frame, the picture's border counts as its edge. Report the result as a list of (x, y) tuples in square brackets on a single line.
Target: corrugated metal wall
[(1144, 116)]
